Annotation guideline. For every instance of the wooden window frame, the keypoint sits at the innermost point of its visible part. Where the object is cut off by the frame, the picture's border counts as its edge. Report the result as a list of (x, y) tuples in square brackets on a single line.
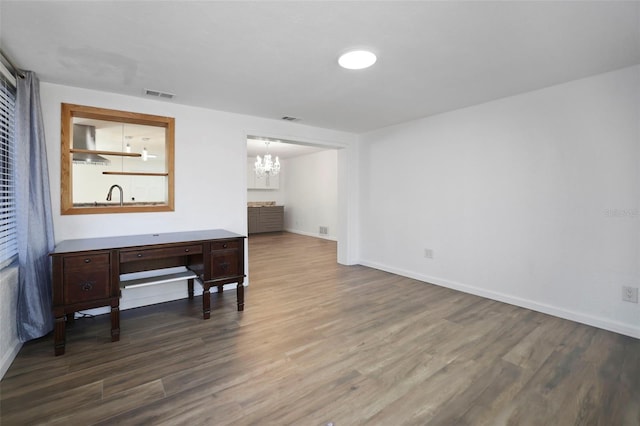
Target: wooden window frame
[(69, 111)]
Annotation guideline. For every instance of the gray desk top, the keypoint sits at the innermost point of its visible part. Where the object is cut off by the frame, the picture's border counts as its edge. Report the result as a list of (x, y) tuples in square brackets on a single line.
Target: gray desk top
[(127, 241)]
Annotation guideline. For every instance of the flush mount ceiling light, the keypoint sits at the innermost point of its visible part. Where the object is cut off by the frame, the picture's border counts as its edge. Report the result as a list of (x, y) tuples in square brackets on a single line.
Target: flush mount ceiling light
[(357, 59)]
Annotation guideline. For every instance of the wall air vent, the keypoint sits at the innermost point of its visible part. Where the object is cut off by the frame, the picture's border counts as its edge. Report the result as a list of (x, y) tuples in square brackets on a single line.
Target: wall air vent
[(158, 94), (287, 118)]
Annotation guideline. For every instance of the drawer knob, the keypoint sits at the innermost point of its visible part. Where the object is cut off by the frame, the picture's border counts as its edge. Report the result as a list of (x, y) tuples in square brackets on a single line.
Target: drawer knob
[(87, 286), (87, 261), (224, 245), (139, 254), (186, 250)]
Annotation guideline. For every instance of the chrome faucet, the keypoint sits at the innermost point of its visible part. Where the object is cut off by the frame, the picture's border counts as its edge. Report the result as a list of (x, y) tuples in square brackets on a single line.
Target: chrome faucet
[(111, 190)]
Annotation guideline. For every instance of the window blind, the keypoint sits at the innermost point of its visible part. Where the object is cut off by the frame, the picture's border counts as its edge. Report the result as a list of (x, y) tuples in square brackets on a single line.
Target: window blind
[(8, 231)]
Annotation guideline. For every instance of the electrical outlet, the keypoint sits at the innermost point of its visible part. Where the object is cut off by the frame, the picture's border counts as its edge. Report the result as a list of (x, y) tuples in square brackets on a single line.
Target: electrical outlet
[(630, 294), (428, 253)]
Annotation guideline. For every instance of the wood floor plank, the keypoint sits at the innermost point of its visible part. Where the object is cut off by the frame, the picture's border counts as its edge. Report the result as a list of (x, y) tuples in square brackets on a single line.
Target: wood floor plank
[(113, 405), (320, 342), (20, 411), (529, 353)]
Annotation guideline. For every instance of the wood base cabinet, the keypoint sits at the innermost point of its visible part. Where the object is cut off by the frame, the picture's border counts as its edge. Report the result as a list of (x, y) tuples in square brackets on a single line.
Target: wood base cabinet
[(265, 219)]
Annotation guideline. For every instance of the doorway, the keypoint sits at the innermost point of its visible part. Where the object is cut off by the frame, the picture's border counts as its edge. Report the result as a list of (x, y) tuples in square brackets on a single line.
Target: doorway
[(305, 185)]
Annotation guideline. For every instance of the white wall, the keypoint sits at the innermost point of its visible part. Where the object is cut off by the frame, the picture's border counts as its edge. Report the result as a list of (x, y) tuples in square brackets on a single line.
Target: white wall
[(531, 199), (276, 195), (311, 193), (88, 177)]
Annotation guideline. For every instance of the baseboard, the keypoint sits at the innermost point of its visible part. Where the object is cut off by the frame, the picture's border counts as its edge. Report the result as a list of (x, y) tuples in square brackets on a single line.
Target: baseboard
[(310, 234), (9, 356), (599, 322)]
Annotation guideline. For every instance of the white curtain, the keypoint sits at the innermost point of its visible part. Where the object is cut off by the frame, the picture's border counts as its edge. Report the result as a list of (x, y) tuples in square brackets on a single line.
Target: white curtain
[(33, 205)]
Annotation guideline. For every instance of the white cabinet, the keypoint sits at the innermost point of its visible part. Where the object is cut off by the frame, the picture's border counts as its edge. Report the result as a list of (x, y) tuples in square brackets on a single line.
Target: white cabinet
[(254, 182)]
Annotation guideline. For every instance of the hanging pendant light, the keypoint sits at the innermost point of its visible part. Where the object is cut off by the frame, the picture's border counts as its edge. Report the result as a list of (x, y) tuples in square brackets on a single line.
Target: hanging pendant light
[(145, 153), (266, 166)]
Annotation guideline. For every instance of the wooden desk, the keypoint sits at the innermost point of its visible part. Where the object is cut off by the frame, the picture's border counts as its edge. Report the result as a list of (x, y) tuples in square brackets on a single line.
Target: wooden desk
[(86, 272)]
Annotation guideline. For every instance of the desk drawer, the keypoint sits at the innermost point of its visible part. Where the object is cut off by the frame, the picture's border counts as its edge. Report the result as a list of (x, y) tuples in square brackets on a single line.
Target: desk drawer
[(86, 284), (224, 245), (89, 261), (224, 264), (159, 253)]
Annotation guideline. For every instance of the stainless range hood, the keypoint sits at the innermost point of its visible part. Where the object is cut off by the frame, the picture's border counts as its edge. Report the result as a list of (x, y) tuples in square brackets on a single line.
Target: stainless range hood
[(84, 137)]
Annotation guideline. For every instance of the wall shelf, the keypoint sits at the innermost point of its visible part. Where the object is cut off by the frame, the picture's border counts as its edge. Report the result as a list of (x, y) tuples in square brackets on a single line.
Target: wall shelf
[(135, 174), (118, 153)]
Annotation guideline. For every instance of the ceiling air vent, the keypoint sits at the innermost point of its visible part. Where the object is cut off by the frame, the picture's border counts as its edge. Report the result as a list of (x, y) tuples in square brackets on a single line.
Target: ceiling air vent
[(158, 94), (287, 118)]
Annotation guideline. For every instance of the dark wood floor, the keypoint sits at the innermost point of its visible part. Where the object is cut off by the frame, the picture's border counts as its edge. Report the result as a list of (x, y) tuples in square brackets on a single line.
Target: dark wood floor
[(319, 343)]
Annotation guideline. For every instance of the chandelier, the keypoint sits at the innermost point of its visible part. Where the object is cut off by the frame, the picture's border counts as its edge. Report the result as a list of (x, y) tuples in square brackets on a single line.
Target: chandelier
[(265, 166)]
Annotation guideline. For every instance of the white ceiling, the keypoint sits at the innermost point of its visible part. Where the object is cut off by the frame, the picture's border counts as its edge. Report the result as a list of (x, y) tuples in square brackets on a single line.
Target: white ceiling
[(274, 59)]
